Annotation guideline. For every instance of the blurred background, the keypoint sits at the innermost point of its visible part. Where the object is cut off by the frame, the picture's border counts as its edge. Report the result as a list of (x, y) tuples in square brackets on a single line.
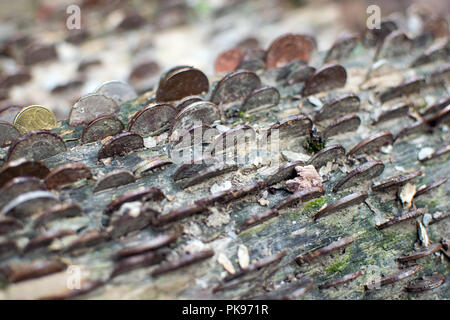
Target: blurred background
[(43, 62)]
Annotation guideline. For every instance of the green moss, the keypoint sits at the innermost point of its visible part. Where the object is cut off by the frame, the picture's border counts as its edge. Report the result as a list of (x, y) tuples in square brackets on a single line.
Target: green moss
[(314, 146), (339, 265), (314, 204)]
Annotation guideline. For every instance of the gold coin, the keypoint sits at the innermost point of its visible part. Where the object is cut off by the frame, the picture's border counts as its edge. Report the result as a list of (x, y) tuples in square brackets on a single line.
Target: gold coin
[(34, 118)]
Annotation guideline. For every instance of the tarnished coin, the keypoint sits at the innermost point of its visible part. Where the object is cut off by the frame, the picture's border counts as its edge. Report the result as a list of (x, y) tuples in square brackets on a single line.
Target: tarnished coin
[(118, 91), (240, 138), (90, 107), (58, 211), (235, 87), (8, 133), (264, 97), (372, 143), (393, 113), (66, 174), (328, 77), (289, 47), (181, 83), (364, 172), (152, 119), (33, 118), (187, 101), (228, 60), (426, 283), (30, 203), (395, 44), (36, 145), (121, 144), (300, 74), (9, 112), (375, 36), (185, 260), (150, 164), (284, 172), (346, 123), (122, 223), (22, 168), (396, 182), (189, 169), (347, 103), (291, 127), (434, 53), (203, 112), (143, 194), (300, 196), (19, 185), (253, 60), (342, 48), (152, 244), (330, 153), (345, 202), (408, 87), (114, 179), (101, 127), (195, 135), (441, 104), (45, 239)]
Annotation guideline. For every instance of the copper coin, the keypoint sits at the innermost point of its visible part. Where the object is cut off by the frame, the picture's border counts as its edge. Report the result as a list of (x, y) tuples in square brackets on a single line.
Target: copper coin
[(182, 83), (121, 144), (146, 193), (228, 60), (66, 174), (101, 127), (36, 145), (187, 101), (19, 185), (408, 87), (345, 202), (152, 119), (342, 48), (372, 143), (30, 203), (22, 168), (201, 112), (289, 47), (58, 211), (234, 87), (330, 153), (90, 107), (328, 77), (364, 172), (264, 97), (344, 124), (150, 164), (339, 106), (114, 179)]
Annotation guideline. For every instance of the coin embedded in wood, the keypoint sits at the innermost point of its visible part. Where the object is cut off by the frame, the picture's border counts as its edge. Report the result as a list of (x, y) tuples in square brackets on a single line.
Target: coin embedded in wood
[(364, 172), (345, 202), (146, 193), (393, 113), (235, 87), (22, 168), (408, 87), (300, 74), (19, 185), (342, 48), (289, 47), (264, 97), (328, 77), (152, 119), (344, 124), (36, 145), (101, 127), (395, 44), (66, 174), (90, 107), (347, 103), (187, 101), (114, 179), (121, 144), (372, 143), (57, 212), (396, 182), (194, 166), (330, 153), (239, 137), (228, 60), (292, 127), (151, 164), (30, 203), (426, 283), (284, 172), (181, 83), (9, 225), (8, 133), (33, 118), (118, 91), (202, 112)]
